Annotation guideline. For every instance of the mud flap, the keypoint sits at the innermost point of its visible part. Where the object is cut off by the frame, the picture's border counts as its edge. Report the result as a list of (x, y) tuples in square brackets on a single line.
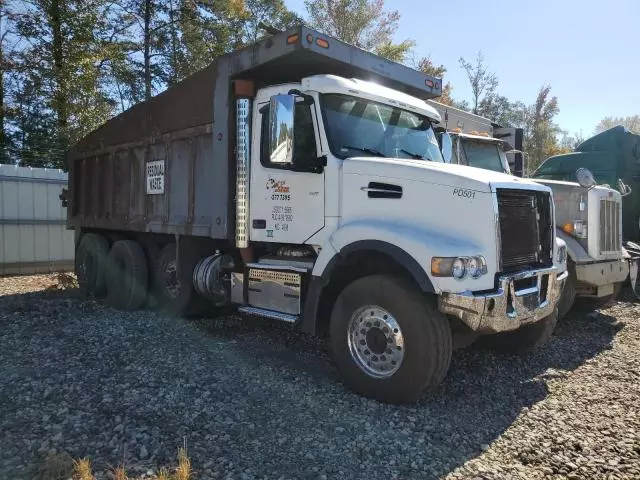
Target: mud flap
[(633, 249), (633, 276)]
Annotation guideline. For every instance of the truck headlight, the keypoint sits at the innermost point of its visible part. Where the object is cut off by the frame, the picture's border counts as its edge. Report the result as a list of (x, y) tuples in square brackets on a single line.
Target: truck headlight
[(476, 267), (578, 228), (458, 267)]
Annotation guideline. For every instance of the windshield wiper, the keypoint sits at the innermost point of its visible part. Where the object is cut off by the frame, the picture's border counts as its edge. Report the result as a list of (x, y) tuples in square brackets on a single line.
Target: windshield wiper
[(370, 151), (415, 156)]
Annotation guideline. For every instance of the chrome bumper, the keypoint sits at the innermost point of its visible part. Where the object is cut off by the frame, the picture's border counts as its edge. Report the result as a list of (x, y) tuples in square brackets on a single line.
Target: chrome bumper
[(522, 298)]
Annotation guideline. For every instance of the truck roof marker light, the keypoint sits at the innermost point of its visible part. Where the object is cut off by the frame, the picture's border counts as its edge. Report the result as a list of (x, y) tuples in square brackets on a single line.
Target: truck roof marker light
[(568, 228), (321, 42), (292, 38), (309, 38), (456, 130), (429, 83)]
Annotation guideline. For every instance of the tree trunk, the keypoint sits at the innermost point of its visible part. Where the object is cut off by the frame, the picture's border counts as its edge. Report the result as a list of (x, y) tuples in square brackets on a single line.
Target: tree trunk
[(174, 74), (60, 93), (147, 48), (3, 143)]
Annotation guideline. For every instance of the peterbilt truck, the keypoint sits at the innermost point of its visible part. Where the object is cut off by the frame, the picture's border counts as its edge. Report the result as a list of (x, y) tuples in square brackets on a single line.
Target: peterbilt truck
[(588, 217), (299, 179)]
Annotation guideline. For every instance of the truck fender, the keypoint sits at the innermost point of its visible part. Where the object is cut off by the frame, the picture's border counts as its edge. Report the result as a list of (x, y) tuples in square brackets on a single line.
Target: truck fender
[(402, 243), (575, 251)]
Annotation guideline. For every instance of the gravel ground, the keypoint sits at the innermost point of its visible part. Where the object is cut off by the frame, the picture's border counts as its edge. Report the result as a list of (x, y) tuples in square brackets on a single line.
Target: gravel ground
[(255, 399)]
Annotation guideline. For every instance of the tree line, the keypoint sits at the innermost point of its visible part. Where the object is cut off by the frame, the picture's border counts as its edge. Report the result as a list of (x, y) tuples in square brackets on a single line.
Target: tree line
[(67, 66)]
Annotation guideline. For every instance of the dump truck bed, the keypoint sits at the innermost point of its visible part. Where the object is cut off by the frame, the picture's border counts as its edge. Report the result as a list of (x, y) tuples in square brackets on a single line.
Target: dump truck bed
[(188, 131)]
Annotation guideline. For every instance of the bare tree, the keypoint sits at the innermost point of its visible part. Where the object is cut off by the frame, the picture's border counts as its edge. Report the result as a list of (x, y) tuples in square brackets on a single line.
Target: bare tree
[(631, 123), (483, 83)]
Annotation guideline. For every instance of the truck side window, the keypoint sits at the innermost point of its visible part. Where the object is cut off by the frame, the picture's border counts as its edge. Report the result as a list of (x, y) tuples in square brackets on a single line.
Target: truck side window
[(304, 141)]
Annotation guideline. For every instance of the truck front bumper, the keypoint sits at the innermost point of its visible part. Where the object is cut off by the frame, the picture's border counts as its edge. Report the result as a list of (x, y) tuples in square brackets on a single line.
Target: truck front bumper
[(521, 298), (603, 273)]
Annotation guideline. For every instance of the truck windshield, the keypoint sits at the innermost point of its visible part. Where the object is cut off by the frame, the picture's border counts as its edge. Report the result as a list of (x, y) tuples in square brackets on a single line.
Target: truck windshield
[(485, 155), (360, 127)]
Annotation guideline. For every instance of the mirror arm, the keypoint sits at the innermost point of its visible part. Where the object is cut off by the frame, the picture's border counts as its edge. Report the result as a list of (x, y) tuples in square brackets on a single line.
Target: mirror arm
[(308, 99)]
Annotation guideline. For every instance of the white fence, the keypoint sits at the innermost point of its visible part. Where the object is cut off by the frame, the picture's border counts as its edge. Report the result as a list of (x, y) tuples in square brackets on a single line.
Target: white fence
[(33, 236)]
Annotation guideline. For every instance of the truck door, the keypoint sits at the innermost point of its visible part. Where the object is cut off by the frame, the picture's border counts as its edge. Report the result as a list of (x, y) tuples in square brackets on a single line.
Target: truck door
[(286, 200)]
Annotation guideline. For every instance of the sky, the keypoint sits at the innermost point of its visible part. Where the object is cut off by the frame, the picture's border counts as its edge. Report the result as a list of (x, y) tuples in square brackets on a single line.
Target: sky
[(583, 49)]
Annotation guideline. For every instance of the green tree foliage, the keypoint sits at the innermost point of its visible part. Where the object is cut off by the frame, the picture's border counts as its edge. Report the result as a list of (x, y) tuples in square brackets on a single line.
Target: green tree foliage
[(271, 12), (631, 123), (363, 23), (57, 94), (66, 66), (425, 65), (541, 131)]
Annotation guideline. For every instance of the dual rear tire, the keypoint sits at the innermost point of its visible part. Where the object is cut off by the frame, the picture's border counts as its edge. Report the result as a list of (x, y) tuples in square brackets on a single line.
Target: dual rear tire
[(127, 276), (124, 275)]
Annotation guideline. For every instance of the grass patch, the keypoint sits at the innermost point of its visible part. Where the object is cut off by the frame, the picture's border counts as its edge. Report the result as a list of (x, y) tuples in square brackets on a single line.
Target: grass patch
[(82, 470)]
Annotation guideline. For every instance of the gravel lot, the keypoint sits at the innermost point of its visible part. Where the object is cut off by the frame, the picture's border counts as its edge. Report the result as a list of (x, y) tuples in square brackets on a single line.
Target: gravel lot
[(255, 399)]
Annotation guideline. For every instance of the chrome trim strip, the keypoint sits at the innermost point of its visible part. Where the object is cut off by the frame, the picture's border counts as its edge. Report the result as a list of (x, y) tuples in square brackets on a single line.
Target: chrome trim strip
[(272, 266), (261, 312), (243, 119), (496, 222)]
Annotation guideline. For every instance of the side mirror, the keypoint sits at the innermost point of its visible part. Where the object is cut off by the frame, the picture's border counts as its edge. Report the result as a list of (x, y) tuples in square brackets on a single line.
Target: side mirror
[(585, 178), (281, 121), (447, 147)]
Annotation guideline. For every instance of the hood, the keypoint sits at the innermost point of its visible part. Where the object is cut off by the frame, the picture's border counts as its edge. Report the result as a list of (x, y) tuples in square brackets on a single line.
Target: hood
[(560, 187), (453, 175)]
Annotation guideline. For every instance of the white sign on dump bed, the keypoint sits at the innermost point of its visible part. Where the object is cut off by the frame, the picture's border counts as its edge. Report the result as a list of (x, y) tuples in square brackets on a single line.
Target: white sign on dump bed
[(155, 177)]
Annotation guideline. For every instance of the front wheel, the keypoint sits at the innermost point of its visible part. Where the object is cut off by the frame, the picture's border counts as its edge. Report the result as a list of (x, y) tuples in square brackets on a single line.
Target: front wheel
[(387, 341), (568, 296)]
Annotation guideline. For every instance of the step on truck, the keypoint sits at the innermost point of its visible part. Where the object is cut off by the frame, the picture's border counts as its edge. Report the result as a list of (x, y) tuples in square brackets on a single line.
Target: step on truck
[(588, 217), (299, 179)]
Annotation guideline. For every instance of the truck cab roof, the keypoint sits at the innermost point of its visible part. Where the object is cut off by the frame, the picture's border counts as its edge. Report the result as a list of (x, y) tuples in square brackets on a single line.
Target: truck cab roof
[(371, 90)]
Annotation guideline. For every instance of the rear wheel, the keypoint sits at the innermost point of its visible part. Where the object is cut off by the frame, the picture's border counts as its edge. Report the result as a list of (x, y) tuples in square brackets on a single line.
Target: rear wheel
[(90, 264), (127, 276), (388, 342), (174, 290), (527, 338)]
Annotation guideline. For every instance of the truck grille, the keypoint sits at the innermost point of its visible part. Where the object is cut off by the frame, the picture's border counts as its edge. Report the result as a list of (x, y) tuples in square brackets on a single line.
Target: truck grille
[(525, 228), (610, 239)]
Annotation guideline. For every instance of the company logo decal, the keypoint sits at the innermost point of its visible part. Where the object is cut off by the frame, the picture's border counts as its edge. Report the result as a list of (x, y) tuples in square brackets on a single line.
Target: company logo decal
[(277, 186)]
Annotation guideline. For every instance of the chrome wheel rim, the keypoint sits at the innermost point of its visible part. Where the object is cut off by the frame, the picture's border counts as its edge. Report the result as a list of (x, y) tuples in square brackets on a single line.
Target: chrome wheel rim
[(375, 341)]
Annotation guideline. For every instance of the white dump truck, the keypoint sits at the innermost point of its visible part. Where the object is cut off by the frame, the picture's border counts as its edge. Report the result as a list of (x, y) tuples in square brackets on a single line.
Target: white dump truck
[(588, 217), (300, 180)]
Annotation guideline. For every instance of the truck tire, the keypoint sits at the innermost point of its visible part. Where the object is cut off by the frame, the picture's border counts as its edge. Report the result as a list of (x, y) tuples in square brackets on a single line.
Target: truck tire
[(527, 338), (90, 264), (175, 293), (568, 296), (127, 276), (387, 341)]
